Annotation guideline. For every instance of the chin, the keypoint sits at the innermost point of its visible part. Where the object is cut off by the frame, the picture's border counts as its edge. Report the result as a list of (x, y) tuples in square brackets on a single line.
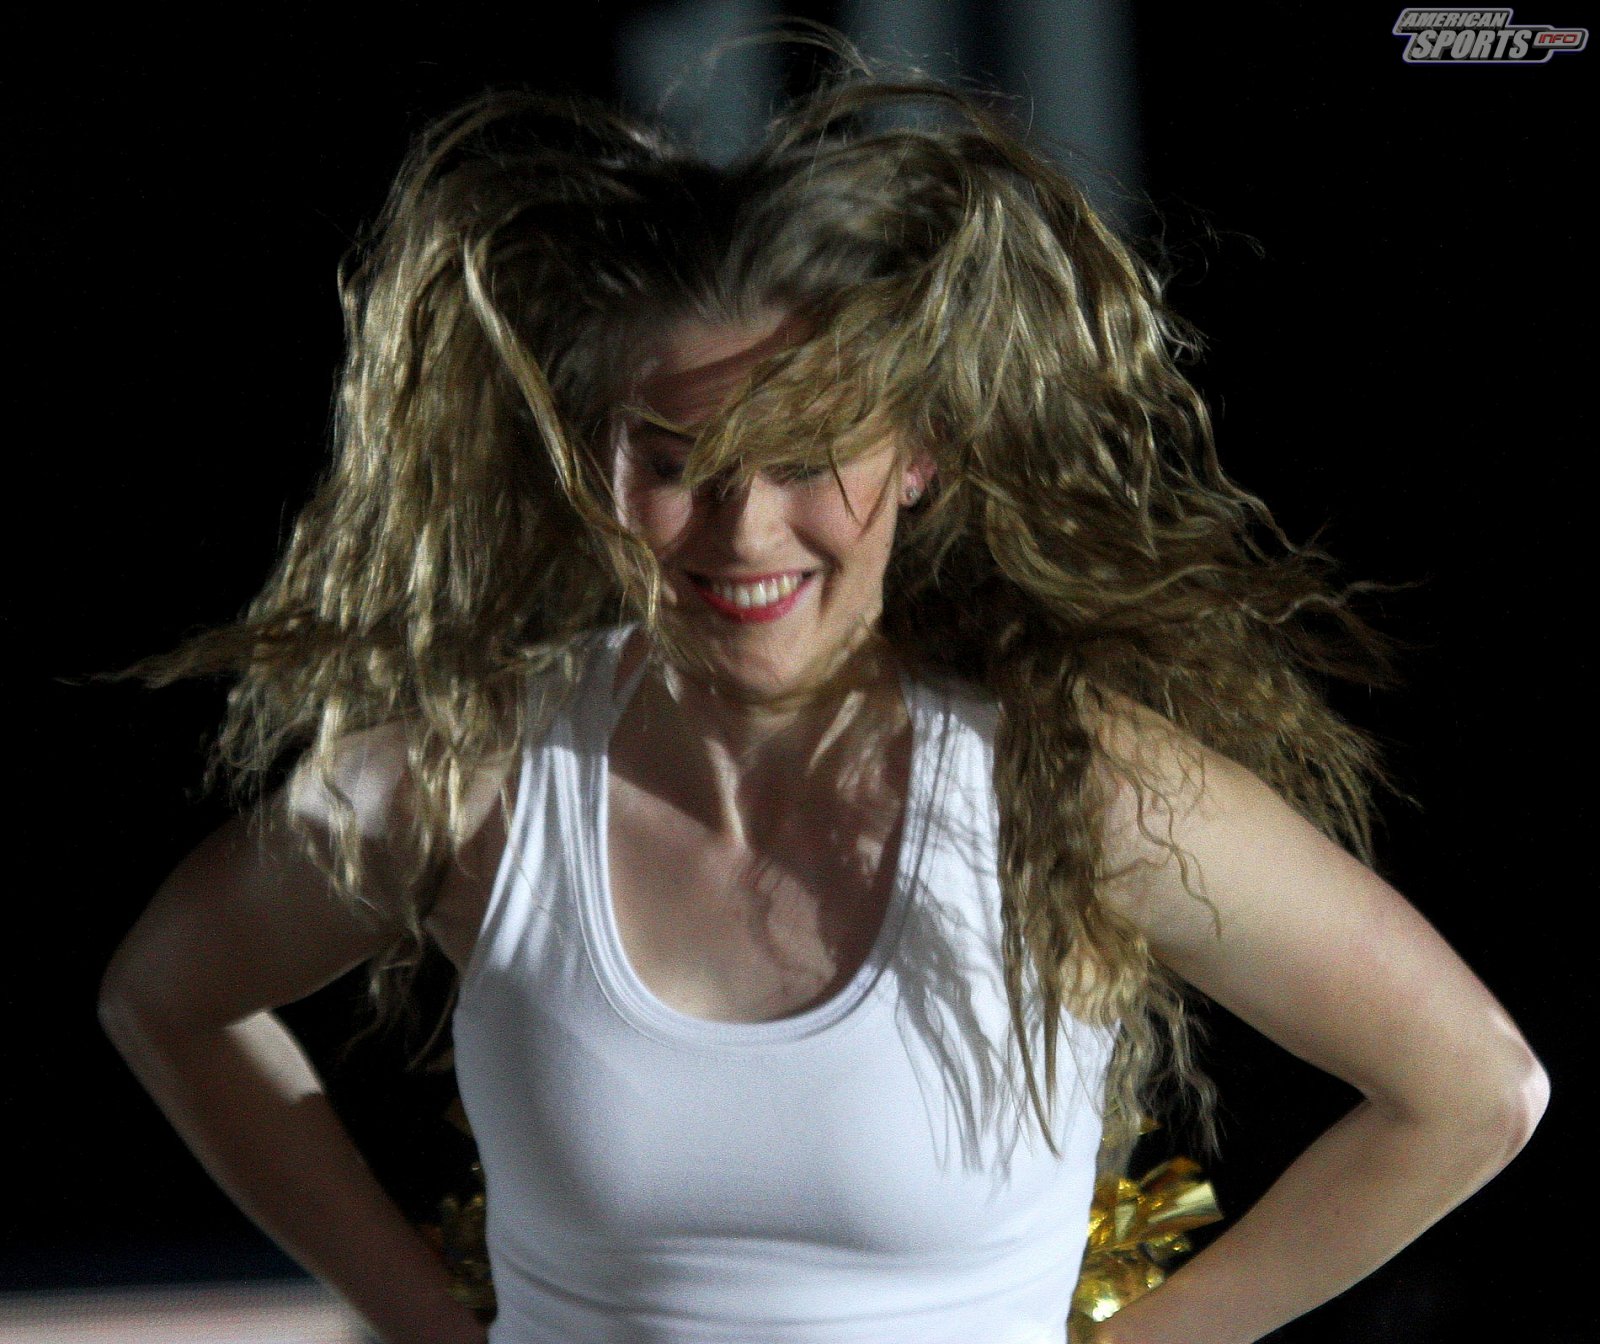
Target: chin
[(788, 659), (748, 678), (759, 683)]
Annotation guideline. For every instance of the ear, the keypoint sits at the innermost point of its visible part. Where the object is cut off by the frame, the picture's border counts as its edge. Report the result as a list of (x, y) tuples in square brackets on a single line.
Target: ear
[(915, 478)]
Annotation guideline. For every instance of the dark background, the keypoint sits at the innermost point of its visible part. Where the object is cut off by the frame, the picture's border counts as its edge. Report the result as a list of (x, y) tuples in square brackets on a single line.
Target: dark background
[(1385, 260)]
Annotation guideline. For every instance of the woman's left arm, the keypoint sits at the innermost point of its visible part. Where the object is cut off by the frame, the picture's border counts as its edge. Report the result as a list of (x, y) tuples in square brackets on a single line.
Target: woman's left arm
[(1310, 947)]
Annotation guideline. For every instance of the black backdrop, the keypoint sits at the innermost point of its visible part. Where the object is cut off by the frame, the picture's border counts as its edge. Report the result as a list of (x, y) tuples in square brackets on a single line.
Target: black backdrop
[(1385, 259)]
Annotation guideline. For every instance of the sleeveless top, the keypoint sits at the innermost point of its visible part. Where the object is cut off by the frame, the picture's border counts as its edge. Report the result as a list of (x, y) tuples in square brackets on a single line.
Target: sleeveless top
[(865, 1172)]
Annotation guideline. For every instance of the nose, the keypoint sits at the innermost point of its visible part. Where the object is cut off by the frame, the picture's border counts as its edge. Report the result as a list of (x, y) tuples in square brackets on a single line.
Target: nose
[(746, 514)]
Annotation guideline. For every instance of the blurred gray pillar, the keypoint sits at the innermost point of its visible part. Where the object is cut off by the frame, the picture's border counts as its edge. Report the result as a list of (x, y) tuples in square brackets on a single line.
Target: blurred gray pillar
[(669, 65), (927, 34), (1069, 64), (1073, 60)]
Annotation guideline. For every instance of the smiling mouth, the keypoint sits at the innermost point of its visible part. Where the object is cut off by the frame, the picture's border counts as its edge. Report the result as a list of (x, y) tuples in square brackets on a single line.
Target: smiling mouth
[(762, 599)]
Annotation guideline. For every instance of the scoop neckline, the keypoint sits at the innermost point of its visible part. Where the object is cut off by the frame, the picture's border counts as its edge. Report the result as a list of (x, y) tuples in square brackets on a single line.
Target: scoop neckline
[(631, 998)]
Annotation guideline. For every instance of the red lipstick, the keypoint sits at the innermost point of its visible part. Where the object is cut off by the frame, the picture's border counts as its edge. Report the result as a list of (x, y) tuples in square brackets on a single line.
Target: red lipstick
[(750, 615)]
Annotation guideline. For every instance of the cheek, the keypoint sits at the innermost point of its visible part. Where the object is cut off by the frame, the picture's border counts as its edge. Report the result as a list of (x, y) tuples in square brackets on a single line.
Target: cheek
[(865, 515), (859, 541), (657, 515), (659, 518)]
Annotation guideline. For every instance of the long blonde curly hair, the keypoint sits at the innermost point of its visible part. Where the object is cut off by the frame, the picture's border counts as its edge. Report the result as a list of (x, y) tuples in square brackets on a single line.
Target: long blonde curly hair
[(1081, 541)]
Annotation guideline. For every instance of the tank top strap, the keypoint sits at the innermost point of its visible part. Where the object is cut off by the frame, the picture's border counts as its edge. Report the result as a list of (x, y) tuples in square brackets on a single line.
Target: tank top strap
[(622, 695), (603, 700)]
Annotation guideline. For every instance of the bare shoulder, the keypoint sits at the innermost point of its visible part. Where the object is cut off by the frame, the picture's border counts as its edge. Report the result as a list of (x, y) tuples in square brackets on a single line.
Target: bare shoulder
[(364, 781), (367, 782), (252, 918), (1150, 776), (1176, 816), (369, 785), (1137, 742)]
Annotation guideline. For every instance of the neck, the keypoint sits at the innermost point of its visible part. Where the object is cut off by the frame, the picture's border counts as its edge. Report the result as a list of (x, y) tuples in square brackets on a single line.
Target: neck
[(738, 761)]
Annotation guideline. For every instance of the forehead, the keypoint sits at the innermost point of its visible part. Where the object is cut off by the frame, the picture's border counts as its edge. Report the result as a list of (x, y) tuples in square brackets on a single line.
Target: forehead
[(695, 364)]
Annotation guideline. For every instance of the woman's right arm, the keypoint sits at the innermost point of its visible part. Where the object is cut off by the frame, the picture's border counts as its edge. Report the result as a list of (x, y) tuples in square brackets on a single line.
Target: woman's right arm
[(245, 924)]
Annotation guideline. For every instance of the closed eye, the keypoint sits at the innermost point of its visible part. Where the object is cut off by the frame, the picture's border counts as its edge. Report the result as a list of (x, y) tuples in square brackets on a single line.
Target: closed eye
[(663, 452), (665, 467), (797, 473)]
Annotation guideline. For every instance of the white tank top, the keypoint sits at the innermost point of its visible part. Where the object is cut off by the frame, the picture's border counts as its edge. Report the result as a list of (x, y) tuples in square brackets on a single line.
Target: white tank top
[(866, 1172)]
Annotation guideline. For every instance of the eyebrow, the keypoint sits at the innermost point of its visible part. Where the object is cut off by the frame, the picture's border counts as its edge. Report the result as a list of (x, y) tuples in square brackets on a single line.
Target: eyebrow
[(653, 420), (662, 431)]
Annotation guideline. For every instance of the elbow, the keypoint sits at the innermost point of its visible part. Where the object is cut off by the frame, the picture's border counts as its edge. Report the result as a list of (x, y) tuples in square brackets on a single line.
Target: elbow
[(1480, 1111), (130, 1009), (153, 1013), (1505, 1088), (1515, 1089), (1511, 1100), (1528, 1098), (117, 1006)]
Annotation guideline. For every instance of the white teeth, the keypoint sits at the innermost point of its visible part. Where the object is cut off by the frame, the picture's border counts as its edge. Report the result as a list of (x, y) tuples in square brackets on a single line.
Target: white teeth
[(760, 594)]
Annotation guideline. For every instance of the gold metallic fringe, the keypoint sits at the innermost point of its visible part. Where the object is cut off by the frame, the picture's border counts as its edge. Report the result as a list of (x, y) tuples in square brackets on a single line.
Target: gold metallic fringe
[(1136, 1230)]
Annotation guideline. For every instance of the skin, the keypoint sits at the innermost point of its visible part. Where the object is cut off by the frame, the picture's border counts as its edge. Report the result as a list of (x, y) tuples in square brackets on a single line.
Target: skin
[(838, 532), (1321, 955), (751, 854), (242, 926), (1298, 938)]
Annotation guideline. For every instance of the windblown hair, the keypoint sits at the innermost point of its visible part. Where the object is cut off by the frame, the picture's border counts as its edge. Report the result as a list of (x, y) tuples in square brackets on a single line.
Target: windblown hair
[(1080, 542)]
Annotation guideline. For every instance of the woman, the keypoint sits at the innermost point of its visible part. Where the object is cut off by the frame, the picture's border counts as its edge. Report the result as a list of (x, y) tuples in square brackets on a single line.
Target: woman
[(782, 633)]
